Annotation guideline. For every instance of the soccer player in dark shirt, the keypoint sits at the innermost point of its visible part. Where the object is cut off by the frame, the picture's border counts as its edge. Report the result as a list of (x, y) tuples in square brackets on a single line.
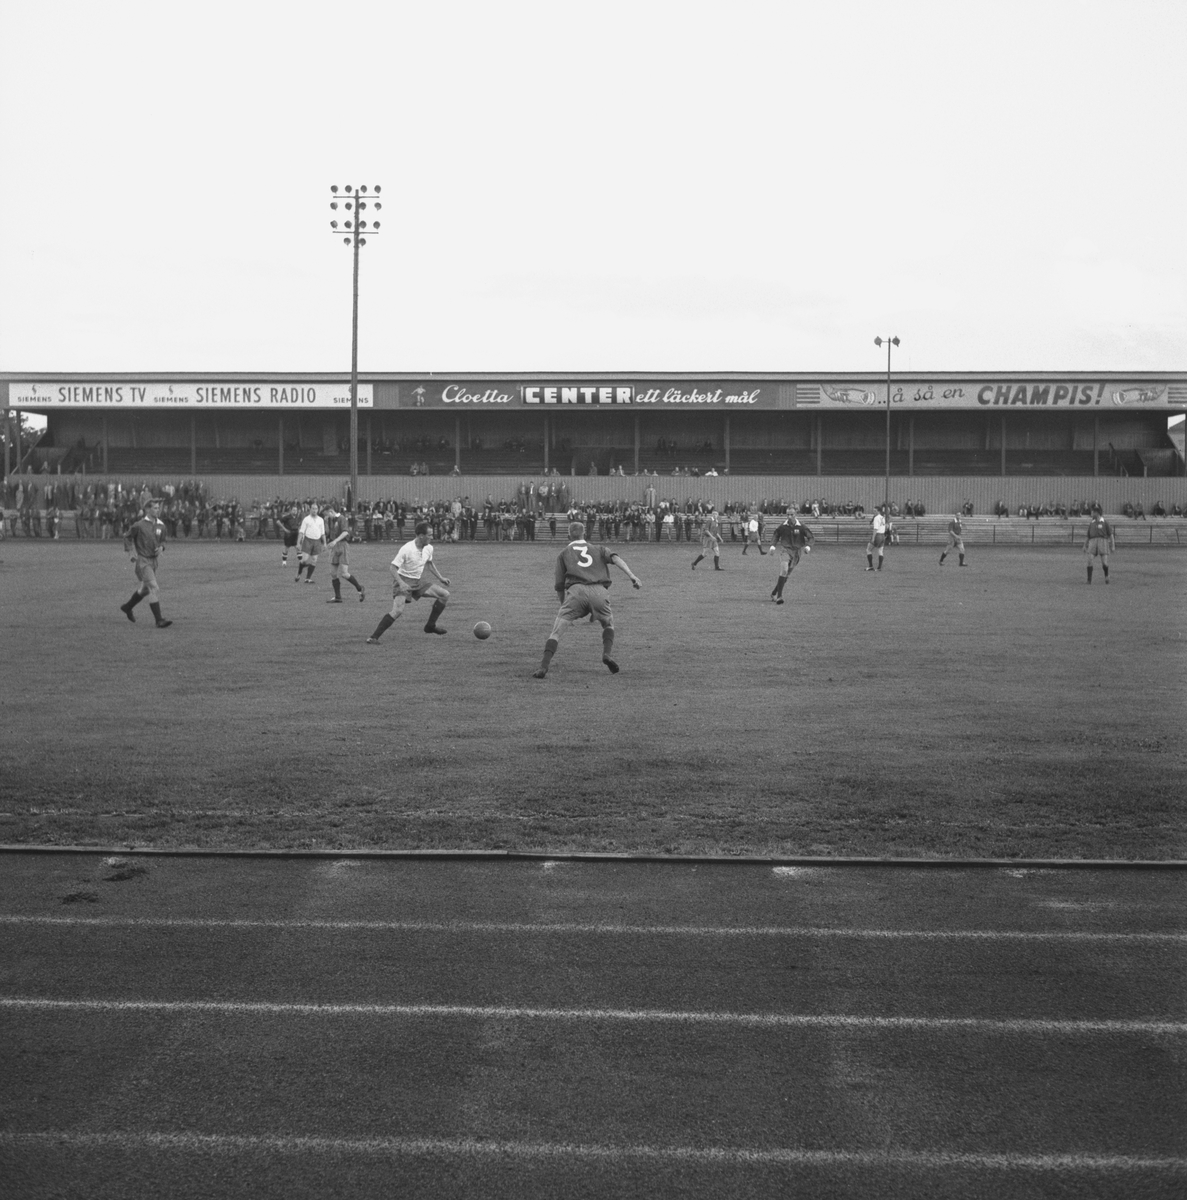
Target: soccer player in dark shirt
[(792, 537), (289, 523), (1098, 543), (582, 581), (144, 542), (955, 540)]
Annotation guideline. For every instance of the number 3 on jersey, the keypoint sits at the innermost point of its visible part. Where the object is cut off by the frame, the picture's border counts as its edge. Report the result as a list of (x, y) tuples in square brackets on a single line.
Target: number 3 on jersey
[(585, 559)]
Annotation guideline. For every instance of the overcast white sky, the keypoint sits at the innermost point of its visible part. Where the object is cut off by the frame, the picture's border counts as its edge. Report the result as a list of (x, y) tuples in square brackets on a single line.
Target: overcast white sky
[(622, 186)]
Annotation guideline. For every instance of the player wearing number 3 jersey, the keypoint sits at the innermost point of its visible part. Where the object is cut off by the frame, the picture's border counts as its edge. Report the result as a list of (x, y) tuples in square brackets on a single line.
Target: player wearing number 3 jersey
[(582, 583)]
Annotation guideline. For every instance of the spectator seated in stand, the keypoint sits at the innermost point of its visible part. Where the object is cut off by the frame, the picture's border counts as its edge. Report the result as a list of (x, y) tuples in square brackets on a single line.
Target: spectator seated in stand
[(1158, 510)]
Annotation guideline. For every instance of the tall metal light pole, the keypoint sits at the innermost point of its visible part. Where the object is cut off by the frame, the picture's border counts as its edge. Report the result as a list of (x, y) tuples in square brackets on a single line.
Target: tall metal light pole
[(890, 341), (354, 201)]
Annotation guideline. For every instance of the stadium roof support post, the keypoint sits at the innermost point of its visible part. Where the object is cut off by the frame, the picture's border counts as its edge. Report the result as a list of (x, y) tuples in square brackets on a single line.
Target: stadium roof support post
[(890, 341), (354, 202)]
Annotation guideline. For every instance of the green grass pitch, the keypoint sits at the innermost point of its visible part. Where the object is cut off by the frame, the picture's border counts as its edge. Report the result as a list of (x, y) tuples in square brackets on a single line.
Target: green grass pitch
[(1002, 710)]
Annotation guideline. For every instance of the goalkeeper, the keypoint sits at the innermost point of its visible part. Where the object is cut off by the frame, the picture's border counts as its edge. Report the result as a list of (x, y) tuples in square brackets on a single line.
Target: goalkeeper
[(792, 537)]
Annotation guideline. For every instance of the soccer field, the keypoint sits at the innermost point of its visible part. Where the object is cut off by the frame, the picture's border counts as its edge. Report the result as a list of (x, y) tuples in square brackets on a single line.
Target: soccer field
[(1001, 710)]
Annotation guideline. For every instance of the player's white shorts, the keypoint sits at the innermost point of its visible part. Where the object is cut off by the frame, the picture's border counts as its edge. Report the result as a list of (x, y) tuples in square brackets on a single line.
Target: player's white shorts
[(416, 588), (955, 543), (1097, 547)]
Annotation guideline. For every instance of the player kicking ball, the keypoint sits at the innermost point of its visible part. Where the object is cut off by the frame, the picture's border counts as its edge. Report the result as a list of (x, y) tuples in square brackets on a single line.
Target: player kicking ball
[(582, 583), (409, 583)]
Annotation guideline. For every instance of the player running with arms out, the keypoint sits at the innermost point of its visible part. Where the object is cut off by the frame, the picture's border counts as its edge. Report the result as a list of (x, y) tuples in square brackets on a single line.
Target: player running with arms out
[(878, 535), (409, 582), (582, 583), (1099, 542), (792, 537), (955, 540), (340, 568), (311, 538), (144, 542)]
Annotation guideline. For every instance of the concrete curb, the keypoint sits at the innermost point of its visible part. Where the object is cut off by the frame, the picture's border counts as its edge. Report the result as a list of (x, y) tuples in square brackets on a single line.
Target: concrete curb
[(609, 857)]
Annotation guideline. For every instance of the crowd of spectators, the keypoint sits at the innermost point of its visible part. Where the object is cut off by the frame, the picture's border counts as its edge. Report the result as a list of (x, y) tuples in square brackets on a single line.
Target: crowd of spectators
[(44, 505)]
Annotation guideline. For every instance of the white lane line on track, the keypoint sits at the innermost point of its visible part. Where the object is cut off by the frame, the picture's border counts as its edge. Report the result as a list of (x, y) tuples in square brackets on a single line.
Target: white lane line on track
[(1000, 1025), (559, 927), (215, 1143)]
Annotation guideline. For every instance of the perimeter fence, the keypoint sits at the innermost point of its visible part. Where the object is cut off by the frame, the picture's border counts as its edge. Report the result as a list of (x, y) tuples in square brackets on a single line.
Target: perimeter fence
[(553, 527)]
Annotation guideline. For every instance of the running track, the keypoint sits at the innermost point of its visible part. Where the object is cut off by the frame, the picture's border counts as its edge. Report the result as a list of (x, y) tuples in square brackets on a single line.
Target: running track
[(269, 1028)]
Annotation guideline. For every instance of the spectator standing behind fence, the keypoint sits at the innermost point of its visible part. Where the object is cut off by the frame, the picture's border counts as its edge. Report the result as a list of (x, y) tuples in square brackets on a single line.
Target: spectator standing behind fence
[(1098, 543)]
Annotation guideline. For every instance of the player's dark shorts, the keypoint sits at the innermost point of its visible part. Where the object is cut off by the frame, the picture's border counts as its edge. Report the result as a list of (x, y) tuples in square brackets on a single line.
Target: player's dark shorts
[(582, 600), (877, 540), (290, 539), (312, 546), (788, 554)]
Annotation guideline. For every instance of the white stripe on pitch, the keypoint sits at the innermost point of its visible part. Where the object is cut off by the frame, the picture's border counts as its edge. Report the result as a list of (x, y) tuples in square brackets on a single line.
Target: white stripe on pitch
[(396, 1147), (1003, 1025), (559, 927)]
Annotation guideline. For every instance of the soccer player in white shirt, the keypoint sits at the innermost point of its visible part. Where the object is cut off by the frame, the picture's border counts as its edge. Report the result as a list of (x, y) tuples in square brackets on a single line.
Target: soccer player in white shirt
[(311, 540), (877, 539), (751, 534), (409, 583)]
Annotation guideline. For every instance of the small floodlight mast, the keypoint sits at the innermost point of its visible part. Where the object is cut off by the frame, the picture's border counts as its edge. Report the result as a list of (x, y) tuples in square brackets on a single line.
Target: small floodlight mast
[(890, 341), (354, 201)]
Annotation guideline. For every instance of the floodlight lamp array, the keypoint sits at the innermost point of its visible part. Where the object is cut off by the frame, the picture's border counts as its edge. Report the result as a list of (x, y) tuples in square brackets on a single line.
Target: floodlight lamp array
[(355, 204)]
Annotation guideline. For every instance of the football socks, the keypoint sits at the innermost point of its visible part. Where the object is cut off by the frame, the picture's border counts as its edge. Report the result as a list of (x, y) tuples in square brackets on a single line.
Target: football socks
[(385, 622)]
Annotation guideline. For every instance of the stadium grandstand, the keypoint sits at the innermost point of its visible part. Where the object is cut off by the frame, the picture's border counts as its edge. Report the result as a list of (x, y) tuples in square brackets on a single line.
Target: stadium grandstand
[(983, 438)]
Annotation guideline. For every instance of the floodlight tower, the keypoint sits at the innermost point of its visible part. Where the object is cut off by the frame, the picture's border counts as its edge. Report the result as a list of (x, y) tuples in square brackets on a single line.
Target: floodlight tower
[(354, 200), (890, 341)]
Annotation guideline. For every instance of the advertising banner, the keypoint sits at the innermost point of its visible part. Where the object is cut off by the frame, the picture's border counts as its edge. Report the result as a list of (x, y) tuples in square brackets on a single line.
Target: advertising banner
[(998, 393), (733, 396), (583, 395), (186, 395), (620, 395)]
